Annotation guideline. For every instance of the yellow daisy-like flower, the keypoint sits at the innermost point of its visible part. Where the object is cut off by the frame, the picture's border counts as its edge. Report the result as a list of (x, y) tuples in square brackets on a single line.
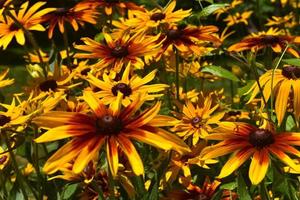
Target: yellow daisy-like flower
[(196, 120), (29, 18), (184, 162), (5, 82), (238, 18), (13, 116), (286, 87), (4, 158), (272, 38), (114, 53), (112, 128), (244, 141), (130, 86), (144, 20), (287, 21)]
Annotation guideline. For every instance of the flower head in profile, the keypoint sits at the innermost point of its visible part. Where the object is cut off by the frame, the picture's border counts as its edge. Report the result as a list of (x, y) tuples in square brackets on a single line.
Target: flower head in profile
[(272, 38), (189, 38), (112, 128), (130, 86), (82, 12), (286, 88), (196, 118), (238, 18), (115, 52), (29, 17), (244, 141)]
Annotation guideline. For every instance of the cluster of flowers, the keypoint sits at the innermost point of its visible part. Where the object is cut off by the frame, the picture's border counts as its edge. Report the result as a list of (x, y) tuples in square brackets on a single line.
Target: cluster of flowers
[(134, 108)]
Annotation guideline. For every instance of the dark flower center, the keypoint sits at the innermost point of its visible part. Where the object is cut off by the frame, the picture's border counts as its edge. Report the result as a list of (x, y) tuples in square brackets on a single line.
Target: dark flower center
[(291, 72), (2, 3), (202, 197), (112, 1), (14, 27), (270, 39), (261, 138), (157, 16), (119, 52), (109, 125), (48, 85), (61, 11), (195, 121), (234, 113), (122, 87), (174, 34), (3, 159), (4, 120), (85, 71)]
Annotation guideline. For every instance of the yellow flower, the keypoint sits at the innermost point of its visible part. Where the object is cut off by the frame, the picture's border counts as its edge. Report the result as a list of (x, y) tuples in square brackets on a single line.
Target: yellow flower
[(112, 128), (286, 88), (244, 141), (130, 86), (238, 18), (30, 19), (196, 119)]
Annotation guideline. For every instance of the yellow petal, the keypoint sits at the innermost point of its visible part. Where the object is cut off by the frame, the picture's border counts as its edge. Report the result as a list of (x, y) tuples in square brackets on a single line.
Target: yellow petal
[(95, 104), (282, 99), (259, 166), (112, 155)]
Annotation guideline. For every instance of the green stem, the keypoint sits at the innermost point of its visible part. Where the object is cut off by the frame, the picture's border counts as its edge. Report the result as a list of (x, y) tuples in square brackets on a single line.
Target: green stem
[(66, 43), (111, 185), (31, 40), (177, 74), (19, 177), (264, 191), (272, 79), (37, 167)]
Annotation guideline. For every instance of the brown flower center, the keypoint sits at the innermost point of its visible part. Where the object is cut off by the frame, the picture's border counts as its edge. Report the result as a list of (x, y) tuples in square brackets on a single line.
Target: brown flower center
[(119, 52), (122, 87), (234, 113), (196, 121), (48, 85), (291, 72), (174, 34), (14, 27), (109, 125), (261, 138), (202, 197), (61, 11), (3, 159), (4, 120), (270, 39), (157, 16)]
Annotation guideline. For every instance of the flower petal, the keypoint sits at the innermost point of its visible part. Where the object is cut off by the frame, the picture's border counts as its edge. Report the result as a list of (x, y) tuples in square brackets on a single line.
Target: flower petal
[(259, 166)]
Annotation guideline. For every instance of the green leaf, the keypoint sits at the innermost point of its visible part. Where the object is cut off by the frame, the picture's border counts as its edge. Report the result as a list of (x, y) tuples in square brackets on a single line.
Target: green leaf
[(211, 9), (219, 71), (242, 188), (243, 90), (229, 186), (69, 191), (290, 123), (154, 189), (292, 61)]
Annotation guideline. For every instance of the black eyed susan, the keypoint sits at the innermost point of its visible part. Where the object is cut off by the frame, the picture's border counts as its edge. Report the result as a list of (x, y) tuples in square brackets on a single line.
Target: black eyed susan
[(29, 17), (286, 88), (244, 141), (196, 119), (130, 86), (112, 128), (272, 38), (238, 18), (5, 82), (144, 20), (114, 53), (83, 12), (188, 38)]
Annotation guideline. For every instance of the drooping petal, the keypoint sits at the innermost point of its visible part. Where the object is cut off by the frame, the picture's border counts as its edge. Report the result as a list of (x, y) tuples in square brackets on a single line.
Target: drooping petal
[(235, 161), (282, 99), (112, 155), (259, 166)]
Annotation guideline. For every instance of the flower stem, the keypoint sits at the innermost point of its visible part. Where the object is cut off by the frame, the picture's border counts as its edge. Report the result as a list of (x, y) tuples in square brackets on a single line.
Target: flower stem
[(111, 185), (66, 43), (19, 178)]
